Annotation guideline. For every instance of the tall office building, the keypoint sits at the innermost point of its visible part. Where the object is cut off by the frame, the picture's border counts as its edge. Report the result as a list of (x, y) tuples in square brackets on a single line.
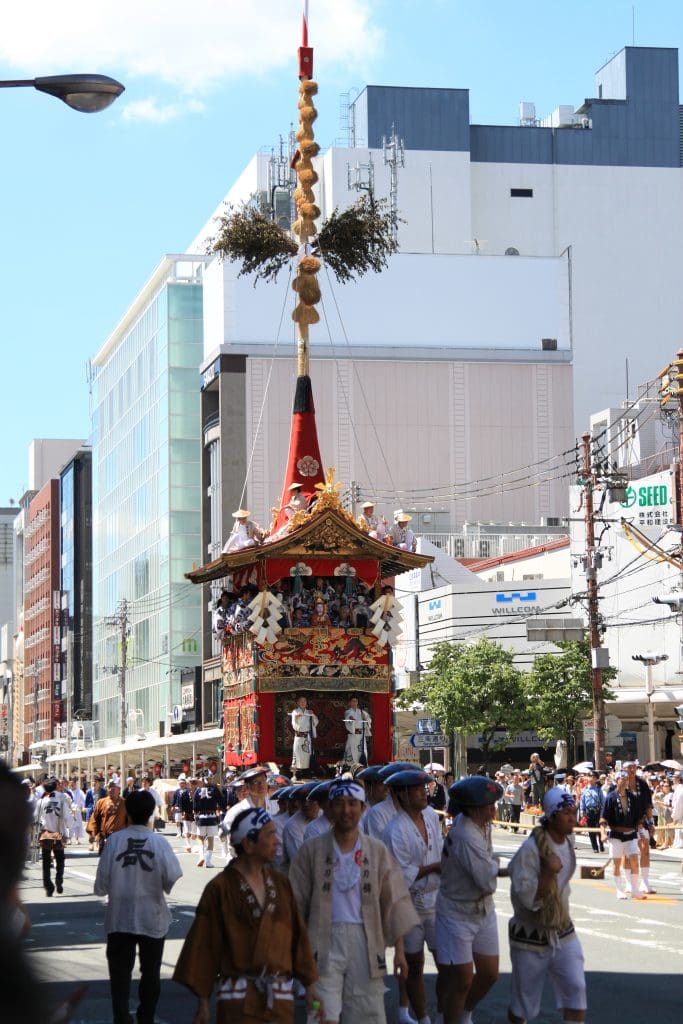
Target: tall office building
[(42, 641), (75, 521), (146, 500)]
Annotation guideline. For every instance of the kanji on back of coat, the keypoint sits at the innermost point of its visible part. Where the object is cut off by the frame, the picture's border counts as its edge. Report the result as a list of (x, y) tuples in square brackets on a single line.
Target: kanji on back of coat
[(311, 612)]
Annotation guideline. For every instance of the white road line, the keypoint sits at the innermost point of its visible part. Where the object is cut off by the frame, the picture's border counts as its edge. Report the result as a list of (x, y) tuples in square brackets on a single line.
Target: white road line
[(616, 937), (79, 874), (631, 919)]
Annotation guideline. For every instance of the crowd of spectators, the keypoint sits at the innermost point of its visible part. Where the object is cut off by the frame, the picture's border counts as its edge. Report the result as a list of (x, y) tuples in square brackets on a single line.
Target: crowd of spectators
[(589, 788)]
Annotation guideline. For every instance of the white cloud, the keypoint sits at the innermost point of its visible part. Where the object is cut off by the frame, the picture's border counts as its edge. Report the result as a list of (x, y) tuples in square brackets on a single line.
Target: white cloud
[(152, 111), (190, 47)]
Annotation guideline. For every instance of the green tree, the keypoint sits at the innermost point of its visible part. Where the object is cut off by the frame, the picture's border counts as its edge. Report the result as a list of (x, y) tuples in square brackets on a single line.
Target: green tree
[(474, 690), (559, 692)]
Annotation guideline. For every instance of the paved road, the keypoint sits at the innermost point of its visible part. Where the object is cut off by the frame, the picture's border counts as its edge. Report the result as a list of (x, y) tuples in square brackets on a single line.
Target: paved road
[(634, 951)]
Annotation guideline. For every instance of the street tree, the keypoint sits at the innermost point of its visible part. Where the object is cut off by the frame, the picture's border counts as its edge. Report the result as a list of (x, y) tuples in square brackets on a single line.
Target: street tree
[(473, 689), (559, 692)]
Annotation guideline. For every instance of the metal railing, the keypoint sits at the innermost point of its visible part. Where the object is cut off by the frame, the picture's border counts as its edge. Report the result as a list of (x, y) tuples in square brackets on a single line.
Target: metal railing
[(488, 545)]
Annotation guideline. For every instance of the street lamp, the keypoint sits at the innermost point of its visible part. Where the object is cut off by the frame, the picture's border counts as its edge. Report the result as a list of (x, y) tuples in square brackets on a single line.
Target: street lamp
[(649, 660), (86, 93)]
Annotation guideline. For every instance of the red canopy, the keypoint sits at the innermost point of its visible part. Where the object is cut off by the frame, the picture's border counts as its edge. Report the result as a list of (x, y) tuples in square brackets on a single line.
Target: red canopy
[(304, 464)]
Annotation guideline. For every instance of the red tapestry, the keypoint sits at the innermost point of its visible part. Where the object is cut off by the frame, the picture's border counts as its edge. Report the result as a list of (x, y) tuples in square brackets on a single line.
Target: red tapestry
[(324, 659), (364, 569)]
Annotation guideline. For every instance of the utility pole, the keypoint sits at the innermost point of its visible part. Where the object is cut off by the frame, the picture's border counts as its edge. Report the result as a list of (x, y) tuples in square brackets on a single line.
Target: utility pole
[(123, 622), (597, 651), (671, 387), (69, 685), (120, 622)]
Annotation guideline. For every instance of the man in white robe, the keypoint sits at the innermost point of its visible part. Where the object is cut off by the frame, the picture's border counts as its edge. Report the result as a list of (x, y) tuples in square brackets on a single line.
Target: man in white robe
[(305, 725), (376, 527), (245, 533), (358, 725)]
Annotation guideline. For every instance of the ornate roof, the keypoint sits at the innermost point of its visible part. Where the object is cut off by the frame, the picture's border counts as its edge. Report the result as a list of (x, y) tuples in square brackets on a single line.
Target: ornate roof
[(325, 531)]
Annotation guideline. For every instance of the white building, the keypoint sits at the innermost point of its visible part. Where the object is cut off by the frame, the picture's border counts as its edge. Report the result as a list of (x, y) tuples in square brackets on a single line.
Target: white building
[(636, 567)]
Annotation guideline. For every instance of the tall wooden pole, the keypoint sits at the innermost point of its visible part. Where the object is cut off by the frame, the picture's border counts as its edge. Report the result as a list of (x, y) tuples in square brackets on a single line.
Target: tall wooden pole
[(593, 609)]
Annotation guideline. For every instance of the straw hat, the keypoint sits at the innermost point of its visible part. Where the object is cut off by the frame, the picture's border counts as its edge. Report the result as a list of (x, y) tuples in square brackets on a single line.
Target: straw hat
[(241, 513), (368, 504), (403, 517), (295, 486)]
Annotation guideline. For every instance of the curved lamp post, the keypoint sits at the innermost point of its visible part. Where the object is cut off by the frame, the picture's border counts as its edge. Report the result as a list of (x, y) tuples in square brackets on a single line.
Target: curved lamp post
[(86, 93)]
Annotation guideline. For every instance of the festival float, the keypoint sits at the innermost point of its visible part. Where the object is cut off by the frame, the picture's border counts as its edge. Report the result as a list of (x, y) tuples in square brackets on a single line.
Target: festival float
[(316, 551)]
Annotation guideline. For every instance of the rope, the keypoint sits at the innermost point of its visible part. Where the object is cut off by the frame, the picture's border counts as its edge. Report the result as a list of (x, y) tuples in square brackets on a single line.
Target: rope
[(358, 377), (346, 400), (265, 392)]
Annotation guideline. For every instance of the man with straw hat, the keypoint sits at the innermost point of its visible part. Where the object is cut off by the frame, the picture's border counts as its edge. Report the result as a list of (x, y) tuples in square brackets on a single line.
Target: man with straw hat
[(401, 535), (376, 527), (245, 533)]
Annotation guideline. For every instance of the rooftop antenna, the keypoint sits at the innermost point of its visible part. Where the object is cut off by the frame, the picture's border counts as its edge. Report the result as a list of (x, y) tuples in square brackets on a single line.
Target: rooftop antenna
[(394, 157), (361, 178)]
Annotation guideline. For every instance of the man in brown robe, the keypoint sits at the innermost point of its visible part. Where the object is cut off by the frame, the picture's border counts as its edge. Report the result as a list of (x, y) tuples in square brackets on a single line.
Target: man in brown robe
[(248, 936), (108, 816)]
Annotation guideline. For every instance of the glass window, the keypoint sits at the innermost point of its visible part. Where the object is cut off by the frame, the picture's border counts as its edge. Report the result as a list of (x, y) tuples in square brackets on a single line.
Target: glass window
[(141, 641), (141, 575), (142, 506), (184, 301), (184, 499), (185, 403), (185, 451), (185, 474), (141, 440)]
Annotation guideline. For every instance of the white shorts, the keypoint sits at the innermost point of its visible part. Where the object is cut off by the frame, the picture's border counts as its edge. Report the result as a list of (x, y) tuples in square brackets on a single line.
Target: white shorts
[(177, 816), (347, 991), (188, 828), (564, 967), (458, 938), (414, 941), (207, 831), (619, 849)]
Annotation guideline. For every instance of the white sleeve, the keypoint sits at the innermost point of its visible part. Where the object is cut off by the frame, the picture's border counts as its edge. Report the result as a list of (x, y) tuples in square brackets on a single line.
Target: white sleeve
[(172, 870), (479, 864), (397, 843), (524, 874), (103, 876)]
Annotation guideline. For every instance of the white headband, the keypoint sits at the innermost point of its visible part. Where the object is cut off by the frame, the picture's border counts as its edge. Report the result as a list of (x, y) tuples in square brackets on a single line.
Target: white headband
[(350, 789), (250, 825)]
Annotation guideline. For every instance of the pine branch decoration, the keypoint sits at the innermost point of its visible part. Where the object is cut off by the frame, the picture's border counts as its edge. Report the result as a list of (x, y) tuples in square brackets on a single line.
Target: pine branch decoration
[(246, 236), (359, 239), (353, 242)]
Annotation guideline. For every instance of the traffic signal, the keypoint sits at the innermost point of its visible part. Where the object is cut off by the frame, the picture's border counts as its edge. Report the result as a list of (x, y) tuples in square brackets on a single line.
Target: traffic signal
[(679, 718), (671, 381)]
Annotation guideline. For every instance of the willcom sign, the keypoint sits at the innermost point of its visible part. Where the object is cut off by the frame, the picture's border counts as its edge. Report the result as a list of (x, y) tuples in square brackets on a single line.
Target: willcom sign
[(516, 603), (434, 610)]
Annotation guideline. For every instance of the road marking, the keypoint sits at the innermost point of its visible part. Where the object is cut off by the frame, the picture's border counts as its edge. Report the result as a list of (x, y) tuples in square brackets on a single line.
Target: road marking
[(50, 924), (616, 937), (624, 914)]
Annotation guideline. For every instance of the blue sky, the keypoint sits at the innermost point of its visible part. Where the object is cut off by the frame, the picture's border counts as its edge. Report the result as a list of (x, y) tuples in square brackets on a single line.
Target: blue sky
[(89, 204)]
